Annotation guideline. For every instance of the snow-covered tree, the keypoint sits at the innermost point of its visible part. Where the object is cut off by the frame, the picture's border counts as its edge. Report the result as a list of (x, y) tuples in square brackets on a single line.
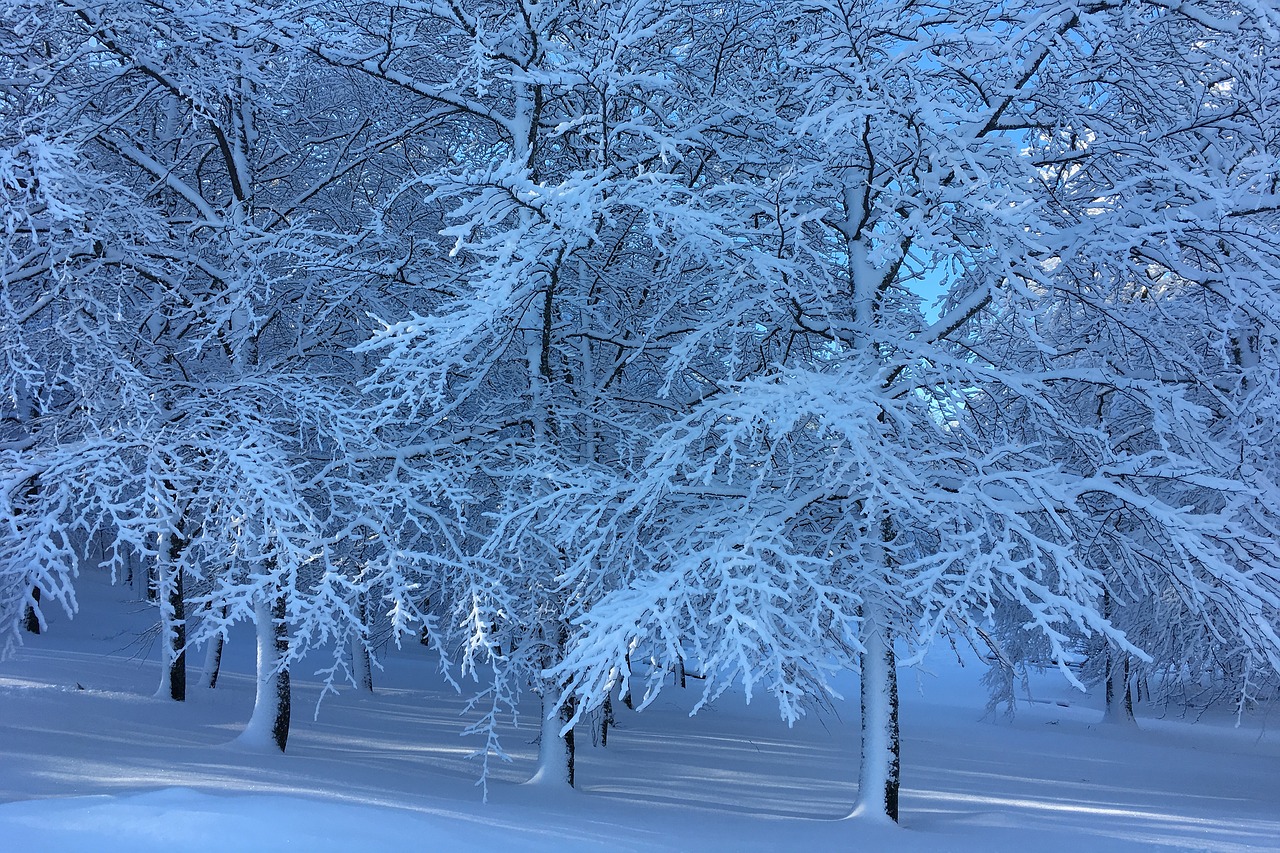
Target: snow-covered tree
[(884, 476), (575, 262), (1162, 328), (180, 295)]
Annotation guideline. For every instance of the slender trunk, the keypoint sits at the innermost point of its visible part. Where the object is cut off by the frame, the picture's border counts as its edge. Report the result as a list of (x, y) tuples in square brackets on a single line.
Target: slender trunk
[(173, 624), (213, 657), (31, 619), (1119, 696), (626, 687), (213, 661), (284, 694), (606, 718), (178, 636), (424, 635), (150, 582), (140, 577), (269, 723), (878, 778), (361, 666), (1119, 701), (31, 616)]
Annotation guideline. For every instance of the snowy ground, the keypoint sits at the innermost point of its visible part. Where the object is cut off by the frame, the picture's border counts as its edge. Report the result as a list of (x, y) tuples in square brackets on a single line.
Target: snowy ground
[(90, 761)]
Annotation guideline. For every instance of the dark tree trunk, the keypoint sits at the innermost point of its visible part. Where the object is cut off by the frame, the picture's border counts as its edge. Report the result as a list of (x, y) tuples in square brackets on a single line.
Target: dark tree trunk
[(606, 718), (566, 714), (881, 745), (214, 666), (31, 620), (213, 657), (284, 696), (177, 633), (626, 687), (173, 623)]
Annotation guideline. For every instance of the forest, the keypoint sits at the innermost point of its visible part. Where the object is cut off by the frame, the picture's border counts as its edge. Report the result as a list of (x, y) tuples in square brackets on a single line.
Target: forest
[(601, 345)]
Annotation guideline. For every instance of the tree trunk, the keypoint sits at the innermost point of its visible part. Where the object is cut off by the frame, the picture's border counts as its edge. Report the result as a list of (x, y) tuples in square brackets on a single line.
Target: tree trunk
[(606, 718), (361, 665), (178, 634), (424, 634), (878, 778), (213, 657), (173, 624), (1119, 701), (31, 619), (1119, 697), (269, 723), (626, 687), (555, 753), (213, 661), (284, 694)]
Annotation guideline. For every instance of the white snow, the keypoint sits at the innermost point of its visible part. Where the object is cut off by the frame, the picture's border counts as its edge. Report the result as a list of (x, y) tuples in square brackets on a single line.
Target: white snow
[(91, 760)]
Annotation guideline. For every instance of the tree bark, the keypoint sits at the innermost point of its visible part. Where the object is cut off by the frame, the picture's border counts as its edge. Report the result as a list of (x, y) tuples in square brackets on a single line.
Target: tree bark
[(269, 723), (178, 635), (881, 745), (284, 693), (173, 624), (213, 657), (606, 719)]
